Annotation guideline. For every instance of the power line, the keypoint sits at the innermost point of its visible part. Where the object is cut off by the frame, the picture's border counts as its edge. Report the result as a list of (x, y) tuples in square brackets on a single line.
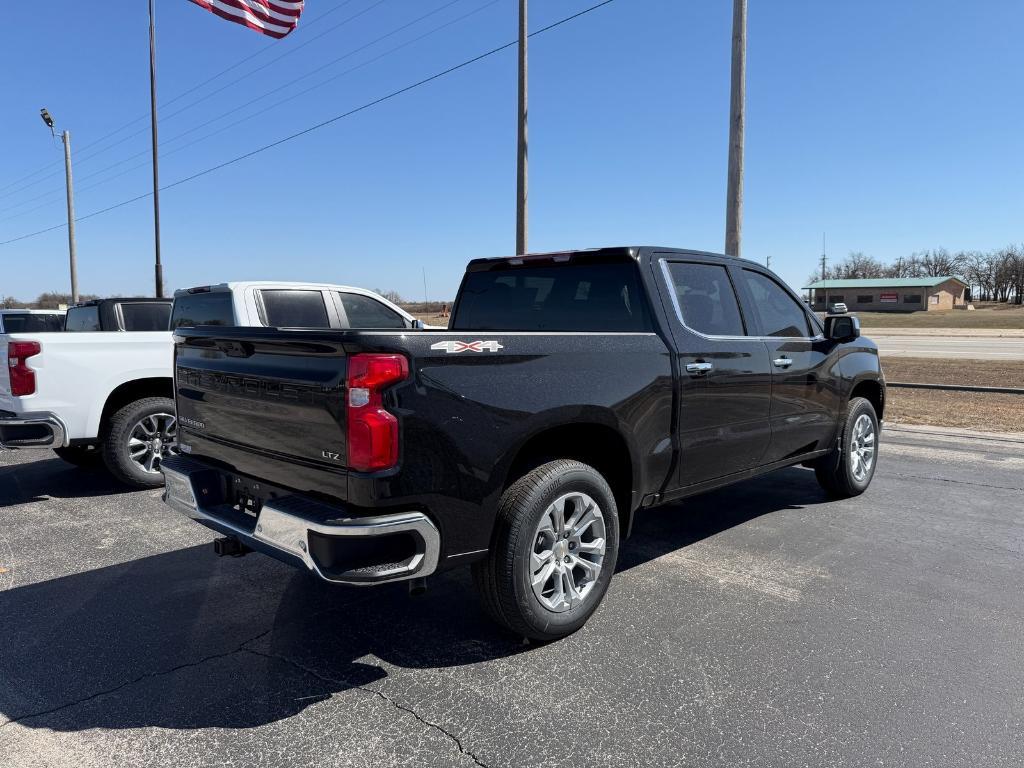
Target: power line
[(324, 123), (237, 80), (146, 152), (193, 89), (322, 83)]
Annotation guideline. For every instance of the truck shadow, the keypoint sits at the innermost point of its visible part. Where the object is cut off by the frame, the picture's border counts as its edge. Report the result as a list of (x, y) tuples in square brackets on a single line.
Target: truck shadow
[(184, 640), (39, 480)]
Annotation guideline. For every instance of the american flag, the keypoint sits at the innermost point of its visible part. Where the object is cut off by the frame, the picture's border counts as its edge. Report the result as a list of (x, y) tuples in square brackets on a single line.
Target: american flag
[(275, 18)]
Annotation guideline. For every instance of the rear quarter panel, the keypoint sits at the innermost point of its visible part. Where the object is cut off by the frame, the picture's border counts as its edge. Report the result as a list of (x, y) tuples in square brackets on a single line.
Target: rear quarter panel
[(76, 372), (465, 415)]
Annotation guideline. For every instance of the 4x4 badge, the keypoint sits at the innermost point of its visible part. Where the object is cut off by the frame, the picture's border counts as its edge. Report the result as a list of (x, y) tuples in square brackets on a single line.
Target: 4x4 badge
[(454, 347)]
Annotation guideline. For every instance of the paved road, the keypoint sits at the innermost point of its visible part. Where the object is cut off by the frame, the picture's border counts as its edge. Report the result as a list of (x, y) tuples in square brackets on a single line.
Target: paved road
[(979, 348), (759, 625)]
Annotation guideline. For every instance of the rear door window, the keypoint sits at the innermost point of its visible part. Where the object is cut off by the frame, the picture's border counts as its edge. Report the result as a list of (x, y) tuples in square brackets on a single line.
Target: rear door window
[(146, 316), (203, 308), (705, 298), (83, 319), (596, 296), (295, 309), (778, 313), (365, 312)]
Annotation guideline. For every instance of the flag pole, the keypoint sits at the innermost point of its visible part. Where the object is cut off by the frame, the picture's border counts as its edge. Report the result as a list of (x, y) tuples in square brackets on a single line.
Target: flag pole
[(158, 266)]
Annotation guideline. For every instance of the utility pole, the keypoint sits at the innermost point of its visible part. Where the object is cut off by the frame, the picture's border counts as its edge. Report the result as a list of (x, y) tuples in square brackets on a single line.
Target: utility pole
[(158, 268), (521, 153), (824, 258), (737, 100), (66, 136), (768, 261)]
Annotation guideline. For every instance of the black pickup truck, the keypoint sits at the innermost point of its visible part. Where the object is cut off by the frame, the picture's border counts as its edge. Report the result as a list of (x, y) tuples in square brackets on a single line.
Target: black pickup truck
[(570, 391)]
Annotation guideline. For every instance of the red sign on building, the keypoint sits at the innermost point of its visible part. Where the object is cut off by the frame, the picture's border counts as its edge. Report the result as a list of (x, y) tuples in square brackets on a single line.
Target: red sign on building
[(889, 298)]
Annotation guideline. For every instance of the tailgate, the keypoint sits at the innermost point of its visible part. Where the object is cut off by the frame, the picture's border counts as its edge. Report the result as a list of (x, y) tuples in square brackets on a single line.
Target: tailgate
[(261, 404)]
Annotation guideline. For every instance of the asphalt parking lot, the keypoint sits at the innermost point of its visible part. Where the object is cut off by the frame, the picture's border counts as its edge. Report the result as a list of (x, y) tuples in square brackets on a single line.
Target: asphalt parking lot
[(758, 625)]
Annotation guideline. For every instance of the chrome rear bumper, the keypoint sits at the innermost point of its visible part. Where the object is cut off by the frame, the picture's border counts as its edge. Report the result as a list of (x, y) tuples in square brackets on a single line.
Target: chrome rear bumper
[(40, 429), (302, 531)]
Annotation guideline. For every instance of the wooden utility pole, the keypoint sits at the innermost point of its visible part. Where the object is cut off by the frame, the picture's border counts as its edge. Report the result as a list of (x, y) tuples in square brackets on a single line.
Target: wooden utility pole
[(734, 195), (66, 136), (158, 268), (521, 154)]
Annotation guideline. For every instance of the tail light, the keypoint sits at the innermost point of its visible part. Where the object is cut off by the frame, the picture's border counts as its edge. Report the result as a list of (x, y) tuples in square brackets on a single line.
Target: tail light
[(23, 378), (372, 431)]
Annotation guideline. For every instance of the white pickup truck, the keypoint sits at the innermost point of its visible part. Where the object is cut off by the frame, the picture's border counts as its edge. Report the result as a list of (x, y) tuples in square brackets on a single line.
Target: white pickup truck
[(100, 389), (92, 395)]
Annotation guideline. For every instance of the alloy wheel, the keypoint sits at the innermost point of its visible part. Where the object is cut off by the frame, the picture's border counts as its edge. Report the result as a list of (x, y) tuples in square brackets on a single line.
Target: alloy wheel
[(862, 447), (568, 552), (152, 439)]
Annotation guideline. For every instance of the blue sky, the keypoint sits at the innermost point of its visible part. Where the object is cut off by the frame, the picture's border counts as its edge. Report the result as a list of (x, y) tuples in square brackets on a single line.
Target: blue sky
[(892, 127)]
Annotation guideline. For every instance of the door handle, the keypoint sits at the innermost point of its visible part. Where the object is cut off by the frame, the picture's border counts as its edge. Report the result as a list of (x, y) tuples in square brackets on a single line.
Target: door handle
[(782, 362), (699, 369)]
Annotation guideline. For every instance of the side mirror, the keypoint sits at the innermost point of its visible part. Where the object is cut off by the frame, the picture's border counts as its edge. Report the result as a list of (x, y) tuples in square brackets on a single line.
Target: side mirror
[(418, 324), (842, 327)]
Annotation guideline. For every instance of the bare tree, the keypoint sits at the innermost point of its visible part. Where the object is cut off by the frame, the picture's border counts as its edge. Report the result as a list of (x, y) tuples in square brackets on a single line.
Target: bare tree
[(393, 296), (53, 300), (939, 263)]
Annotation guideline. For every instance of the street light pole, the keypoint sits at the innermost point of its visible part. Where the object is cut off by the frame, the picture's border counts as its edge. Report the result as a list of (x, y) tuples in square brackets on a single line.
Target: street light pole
[(521, 153), (65, 136), (158, 266), (734, 195)]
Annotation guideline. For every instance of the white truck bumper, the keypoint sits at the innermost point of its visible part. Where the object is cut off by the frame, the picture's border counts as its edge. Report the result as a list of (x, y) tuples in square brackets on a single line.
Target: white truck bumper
[(40, 429)]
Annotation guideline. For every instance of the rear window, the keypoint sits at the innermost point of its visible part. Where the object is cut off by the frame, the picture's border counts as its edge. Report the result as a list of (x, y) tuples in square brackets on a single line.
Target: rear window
[(151, 316), (194, 309), (83, 319), (29, 323), (295, 309), (553, 297)]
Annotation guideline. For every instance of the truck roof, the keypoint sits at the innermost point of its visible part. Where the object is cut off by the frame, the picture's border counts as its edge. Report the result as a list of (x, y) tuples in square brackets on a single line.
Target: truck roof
[(641, 253), (32, 311), (237, 285), (119, 299)]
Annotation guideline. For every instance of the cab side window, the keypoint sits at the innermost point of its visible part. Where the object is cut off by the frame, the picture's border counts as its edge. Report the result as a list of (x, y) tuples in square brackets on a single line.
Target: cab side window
[(295, 309), (705, 298), (778, 312), (364, 312)]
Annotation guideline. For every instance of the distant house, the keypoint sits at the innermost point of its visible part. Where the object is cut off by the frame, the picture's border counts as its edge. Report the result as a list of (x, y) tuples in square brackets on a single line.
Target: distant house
[(889, 294)]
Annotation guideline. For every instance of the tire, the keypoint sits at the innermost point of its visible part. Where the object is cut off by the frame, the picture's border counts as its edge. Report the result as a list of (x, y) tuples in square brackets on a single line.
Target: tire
[(839, 472), (525, 543), (122, 437), (81, 456)]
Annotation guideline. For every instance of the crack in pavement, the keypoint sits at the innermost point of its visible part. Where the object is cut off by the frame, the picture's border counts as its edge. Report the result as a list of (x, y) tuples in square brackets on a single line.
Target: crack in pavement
[(135, 681), (949, 480), (375, 692), (161, 673)]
